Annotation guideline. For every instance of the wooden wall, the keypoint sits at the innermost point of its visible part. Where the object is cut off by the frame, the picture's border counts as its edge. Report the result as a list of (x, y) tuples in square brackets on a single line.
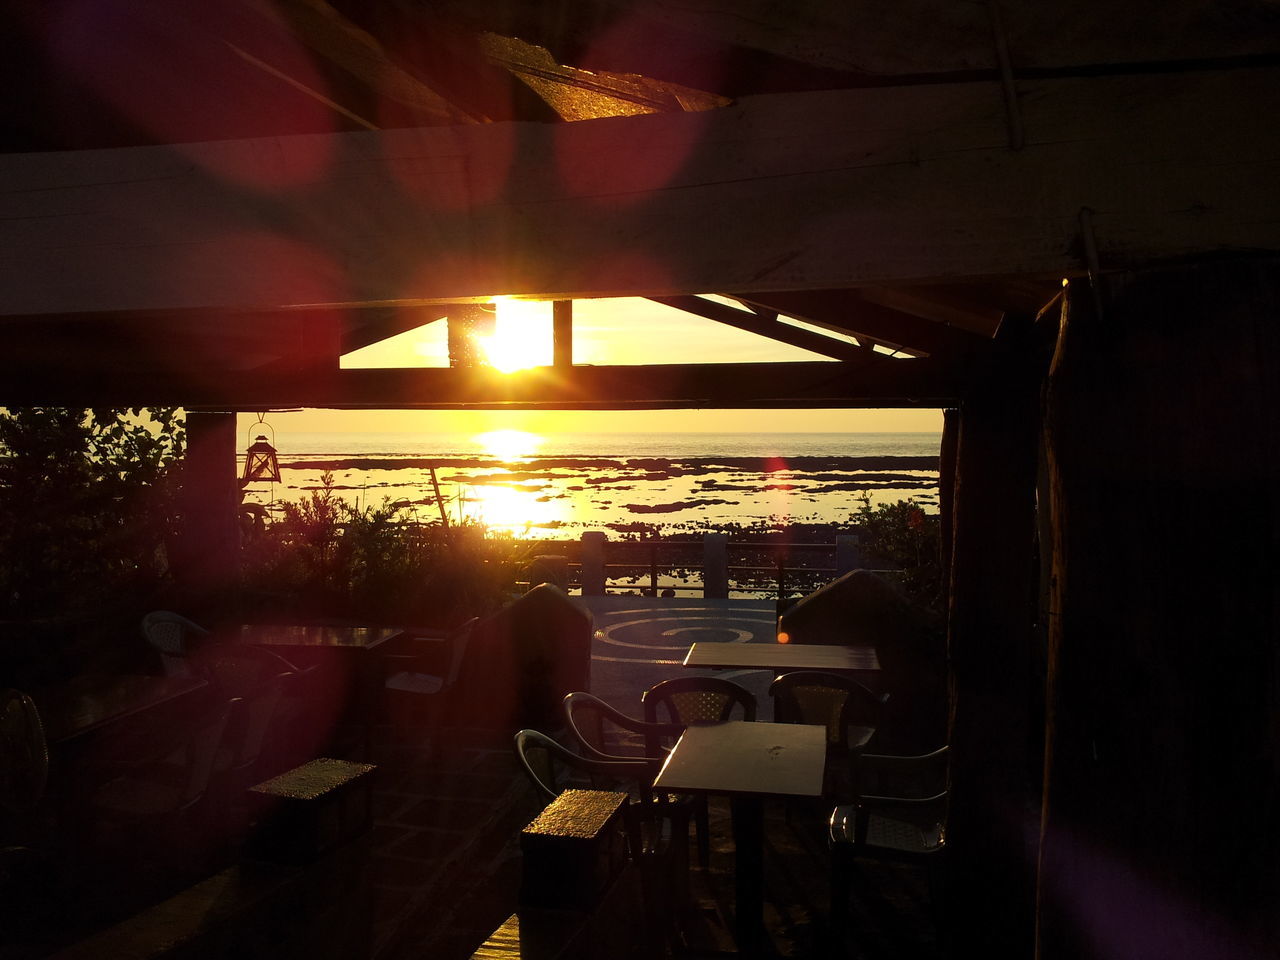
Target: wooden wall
[(1162, 774)]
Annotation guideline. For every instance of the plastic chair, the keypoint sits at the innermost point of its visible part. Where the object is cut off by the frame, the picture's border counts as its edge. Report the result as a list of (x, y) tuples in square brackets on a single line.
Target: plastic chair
[(908, 826), (171, 634), (690, 701), (422, 683), (850, 712), (163, 800)]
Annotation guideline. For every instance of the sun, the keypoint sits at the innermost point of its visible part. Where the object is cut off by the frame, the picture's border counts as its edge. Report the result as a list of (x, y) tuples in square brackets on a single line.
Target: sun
[(521, 335)]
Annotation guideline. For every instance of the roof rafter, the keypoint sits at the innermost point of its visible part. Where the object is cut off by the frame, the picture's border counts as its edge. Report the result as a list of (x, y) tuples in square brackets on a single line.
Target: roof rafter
[(848, 312), (772, 328)]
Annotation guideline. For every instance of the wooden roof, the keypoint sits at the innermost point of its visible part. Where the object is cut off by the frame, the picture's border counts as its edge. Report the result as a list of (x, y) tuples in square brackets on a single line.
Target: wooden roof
[(210, 203)]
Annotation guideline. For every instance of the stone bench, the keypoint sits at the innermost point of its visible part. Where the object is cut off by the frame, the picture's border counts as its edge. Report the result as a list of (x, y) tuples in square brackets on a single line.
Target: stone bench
[(306, 811)]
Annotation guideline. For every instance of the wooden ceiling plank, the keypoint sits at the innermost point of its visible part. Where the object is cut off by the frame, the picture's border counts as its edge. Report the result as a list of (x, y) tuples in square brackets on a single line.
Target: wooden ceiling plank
[(838, 189)]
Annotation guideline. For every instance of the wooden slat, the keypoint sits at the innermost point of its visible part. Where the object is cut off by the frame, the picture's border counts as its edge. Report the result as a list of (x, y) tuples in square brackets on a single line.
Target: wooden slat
[(814, 191)]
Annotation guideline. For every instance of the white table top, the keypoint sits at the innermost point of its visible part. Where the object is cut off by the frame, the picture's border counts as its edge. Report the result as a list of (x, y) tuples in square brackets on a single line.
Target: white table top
[(747, 758), (782, 656)]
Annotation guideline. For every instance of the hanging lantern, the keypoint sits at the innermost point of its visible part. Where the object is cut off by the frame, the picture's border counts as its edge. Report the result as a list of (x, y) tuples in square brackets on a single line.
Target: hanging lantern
[(260, 461)]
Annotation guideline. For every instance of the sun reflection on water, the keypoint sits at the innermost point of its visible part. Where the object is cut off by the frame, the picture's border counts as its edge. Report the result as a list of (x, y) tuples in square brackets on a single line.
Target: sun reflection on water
[(509, 444), (515, 510)]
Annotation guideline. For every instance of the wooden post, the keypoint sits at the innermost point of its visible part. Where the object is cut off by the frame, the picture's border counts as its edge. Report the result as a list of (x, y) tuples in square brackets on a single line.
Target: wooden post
[(990, 904), (715, 566), (562, 333), (947, 483), (848, 553), (210, 497), (593, 567), (1161, 772)]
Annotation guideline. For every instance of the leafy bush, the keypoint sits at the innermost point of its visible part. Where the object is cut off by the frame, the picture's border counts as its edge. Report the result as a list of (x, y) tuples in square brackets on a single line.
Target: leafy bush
[(901, 536), (88, 505), (327, 558)]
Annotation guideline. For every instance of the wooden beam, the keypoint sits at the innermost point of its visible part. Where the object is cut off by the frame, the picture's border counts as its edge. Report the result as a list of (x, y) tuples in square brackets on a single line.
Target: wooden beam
[(743, 46), (990, 909), (847, 311), (813, 191), (364, 328), (562, 334), (891, 383), (771, 328)]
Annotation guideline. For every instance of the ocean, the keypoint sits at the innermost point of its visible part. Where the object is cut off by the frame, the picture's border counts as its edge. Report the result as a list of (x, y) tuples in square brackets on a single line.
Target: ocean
[(560, 485)]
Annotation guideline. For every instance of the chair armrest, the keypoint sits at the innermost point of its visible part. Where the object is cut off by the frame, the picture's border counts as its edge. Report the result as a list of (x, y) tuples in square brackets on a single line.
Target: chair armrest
[(650, 731)]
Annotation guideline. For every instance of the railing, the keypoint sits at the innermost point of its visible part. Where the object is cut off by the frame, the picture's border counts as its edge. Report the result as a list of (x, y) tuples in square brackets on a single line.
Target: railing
[(597, 565)]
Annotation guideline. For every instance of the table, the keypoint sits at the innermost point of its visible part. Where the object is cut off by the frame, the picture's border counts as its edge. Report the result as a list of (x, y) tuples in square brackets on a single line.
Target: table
[(360, 682), (91, 702), (783, 657), (317, 636), (750, 762)]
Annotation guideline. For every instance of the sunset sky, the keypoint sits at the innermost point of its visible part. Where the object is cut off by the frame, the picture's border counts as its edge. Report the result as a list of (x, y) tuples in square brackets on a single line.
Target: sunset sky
[(606, 331)]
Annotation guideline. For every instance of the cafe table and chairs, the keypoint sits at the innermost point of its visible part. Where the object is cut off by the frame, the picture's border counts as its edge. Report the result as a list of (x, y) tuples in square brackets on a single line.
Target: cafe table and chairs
[(749, 762)]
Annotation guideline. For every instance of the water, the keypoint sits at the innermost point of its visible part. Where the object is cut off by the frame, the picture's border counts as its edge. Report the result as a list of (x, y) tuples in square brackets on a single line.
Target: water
[(560, 485)]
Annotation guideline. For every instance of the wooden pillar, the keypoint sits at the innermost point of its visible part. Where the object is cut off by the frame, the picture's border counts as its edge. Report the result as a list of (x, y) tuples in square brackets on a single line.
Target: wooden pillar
[(848, 553), (210, 499), (594, 573), (1162, 772), (993, 813), (562, 333), (715, 566), (947, 483)]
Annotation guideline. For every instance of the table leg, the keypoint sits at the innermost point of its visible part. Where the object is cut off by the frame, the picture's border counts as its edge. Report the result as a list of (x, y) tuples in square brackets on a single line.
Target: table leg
[(748, 843)]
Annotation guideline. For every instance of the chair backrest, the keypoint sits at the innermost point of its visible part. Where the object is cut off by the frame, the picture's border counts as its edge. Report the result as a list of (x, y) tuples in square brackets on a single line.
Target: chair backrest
[(837, 702), (550, 767), (904, 777), (169, 634), (24, 753), (458, 641), (537, 754), (697, 700)]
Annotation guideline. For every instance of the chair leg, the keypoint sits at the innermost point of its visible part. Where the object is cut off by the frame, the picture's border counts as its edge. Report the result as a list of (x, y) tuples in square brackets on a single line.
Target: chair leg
[(703, 824), (841, 889)]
